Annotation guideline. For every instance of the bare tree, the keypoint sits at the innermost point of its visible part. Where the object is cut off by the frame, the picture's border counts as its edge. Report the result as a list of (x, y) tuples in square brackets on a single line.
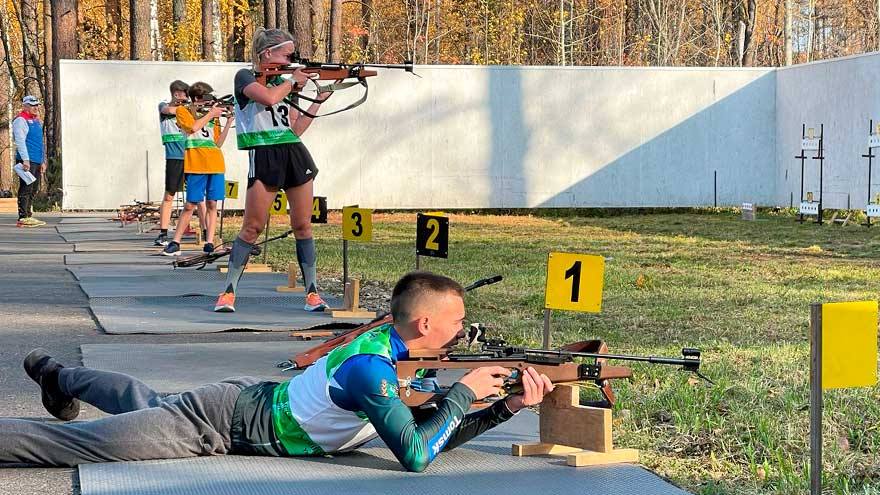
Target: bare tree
[(207, 30), (178, 14), (139, 30), (367, 18), (5, 104), (48, 76), (788, 38), (319, 30), (115, 38), (64, 46), (27, 18), (335, 29), (217, 41), (156, 47)]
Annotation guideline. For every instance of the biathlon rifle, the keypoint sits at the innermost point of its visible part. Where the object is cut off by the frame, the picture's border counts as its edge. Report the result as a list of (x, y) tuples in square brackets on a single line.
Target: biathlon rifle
[(344, 76), (203, 259), (559, 365), (308, 357), (226, 102)]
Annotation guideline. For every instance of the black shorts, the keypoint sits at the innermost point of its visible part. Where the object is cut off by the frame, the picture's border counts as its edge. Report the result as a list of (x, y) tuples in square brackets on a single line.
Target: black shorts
[(173, 175), (282, 166)]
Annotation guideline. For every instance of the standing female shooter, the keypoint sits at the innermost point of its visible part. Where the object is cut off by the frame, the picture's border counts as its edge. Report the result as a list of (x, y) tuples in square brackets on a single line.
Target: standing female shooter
[(266, 125)]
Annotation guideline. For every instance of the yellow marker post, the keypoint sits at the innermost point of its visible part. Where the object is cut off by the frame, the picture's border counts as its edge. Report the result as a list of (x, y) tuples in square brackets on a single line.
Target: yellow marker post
[(357, 224), (232, 189), (843, 354), (279, 205), (574, 283)]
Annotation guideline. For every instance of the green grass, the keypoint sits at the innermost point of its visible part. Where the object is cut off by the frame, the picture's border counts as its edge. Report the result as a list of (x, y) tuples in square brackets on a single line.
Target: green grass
[(738, 290)]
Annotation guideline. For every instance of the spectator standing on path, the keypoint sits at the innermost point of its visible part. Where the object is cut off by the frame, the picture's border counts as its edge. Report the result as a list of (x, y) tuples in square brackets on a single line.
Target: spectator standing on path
[(30, 152)]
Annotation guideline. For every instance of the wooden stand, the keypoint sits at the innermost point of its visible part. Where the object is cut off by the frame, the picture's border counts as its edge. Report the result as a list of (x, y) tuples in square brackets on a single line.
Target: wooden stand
[(581, 433), (350, 301), (8, 205), (311, 334), (200, 243), (291, 282), (249, 268)]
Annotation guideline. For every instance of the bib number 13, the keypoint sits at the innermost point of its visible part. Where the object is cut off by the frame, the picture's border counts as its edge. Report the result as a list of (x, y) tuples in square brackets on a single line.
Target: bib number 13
[(279, 114)]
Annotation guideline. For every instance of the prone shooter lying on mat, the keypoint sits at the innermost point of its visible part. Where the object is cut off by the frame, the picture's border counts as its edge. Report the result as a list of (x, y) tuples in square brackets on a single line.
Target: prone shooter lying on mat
[(344, 400)]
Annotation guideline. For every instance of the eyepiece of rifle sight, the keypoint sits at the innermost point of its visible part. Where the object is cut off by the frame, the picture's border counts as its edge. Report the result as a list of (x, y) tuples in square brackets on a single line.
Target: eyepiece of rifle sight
[(690, 352)]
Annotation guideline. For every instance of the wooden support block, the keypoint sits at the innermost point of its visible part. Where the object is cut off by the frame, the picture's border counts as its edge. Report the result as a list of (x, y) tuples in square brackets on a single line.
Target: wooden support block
[(588, 458), (565, 422), (350, 301), (311, 334), (581, 433), (291, 282), (8, 205), (527, 449), (250, 268)]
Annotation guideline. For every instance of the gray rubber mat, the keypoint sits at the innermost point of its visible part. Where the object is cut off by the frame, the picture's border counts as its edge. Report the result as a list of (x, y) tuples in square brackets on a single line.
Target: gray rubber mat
[(116, 259), (77, 228), (483, 465), (159, 365), (97, 218), (144, 246), (112, 235), (164, 315), (182, 283), (81, 272)]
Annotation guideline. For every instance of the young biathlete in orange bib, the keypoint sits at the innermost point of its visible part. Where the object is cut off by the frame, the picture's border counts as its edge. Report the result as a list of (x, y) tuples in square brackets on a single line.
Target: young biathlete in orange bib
[(271, 130)]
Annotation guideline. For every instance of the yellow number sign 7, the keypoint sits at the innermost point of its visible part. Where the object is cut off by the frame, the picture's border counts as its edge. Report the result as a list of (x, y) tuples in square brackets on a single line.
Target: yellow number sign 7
[(574, 282)]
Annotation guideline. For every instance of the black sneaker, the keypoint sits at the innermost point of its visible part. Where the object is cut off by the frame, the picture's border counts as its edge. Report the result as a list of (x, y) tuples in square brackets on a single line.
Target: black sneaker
[(43, 369), (172, 249), (208, 248), (161, 240)]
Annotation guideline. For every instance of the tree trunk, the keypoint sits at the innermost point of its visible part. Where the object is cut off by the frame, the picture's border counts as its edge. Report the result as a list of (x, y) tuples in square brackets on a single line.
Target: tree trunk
[(367, 19), (237, 33), (281, 15), (269, 14), (788, 37), (335, 29), (291, 15), (748, 59), (178, 15), (139, 30), (5, 107), (156, 47), (64, 46), (319, 30), (217, 40), (207, 31), (302, 28), (113, 11), (31, 62), (49, 80)]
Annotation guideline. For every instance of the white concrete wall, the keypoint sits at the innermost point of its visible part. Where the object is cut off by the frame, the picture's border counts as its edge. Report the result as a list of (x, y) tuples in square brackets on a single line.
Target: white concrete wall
[(843, 94), (462, 136)]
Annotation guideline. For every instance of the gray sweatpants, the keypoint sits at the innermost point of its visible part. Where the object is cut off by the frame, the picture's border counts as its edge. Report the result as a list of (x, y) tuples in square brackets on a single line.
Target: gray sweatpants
[(144, 424)]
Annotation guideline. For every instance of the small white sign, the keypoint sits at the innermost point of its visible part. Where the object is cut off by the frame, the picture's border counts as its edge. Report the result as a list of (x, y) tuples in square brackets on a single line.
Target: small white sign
[(874, 141), (748, 207), (809, 208), (810, 144), (873, 210)]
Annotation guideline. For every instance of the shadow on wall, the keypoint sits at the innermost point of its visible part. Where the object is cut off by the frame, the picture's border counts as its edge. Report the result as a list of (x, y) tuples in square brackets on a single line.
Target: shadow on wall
[(510, 139), (734, 136)]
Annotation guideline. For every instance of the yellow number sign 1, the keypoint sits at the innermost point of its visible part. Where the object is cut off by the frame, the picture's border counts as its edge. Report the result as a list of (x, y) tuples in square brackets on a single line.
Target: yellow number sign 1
[(357, 224), (231, 189), (574, 282), (279, 204)]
